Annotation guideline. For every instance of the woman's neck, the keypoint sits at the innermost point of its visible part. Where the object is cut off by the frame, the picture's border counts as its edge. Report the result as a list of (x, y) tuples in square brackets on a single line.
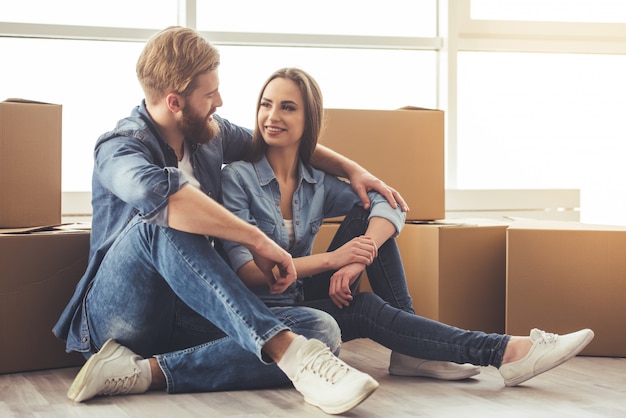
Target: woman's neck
[(284, 163)]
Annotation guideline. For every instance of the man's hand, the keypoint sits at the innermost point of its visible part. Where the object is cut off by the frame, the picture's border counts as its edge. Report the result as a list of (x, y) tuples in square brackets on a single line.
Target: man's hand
[(275, 263), (339, 291), (363, 181)]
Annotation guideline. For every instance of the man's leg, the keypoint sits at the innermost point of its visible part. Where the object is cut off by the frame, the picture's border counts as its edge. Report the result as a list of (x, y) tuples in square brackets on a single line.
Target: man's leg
[(153, 266), (133, 296), (221, 364)]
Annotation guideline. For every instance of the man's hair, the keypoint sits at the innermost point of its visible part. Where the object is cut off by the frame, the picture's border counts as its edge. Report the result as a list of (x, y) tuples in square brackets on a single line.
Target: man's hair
[(313, 114), (171, 61)]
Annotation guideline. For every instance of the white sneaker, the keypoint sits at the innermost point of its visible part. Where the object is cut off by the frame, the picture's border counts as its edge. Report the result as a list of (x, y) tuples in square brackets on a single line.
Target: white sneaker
[(329, 383), (547, 352), (111, 371), (403, 365)]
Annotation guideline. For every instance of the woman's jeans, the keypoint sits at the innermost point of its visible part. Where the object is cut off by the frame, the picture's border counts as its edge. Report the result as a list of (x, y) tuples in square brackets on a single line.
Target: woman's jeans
[(387, 316), (169, 294)]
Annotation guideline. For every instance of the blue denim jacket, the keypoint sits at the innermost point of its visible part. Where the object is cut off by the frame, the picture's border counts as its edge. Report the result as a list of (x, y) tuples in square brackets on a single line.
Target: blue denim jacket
[(135, 172), (251, 191)]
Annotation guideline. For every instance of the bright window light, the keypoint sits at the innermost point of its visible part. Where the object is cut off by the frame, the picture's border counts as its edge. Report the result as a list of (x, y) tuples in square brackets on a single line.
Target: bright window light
[(545, 121), (332, 17), (114, 13), (603, 11)]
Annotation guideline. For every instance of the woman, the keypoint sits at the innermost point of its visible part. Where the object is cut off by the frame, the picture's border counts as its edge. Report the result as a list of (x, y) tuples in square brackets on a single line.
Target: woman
[(278, 190)]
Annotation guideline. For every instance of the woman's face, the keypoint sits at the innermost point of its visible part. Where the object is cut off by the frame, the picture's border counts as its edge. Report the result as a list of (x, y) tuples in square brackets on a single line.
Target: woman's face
[(281, 114)]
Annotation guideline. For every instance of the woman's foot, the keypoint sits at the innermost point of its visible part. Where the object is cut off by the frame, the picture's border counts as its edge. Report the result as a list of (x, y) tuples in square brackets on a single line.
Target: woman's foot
[(546, 352)]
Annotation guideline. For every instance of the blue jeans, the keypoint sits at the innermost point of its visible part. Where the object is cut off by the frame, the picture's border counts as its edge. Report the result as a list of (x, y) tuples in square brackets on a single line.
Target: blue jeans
[(387, 316), (169, 294)]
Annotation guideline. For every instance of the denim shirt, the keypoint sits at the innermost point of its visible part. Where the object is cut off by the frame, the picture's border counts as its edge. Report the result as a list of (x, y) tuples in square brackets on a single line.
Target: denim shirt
[(135, 172), (251, 191)]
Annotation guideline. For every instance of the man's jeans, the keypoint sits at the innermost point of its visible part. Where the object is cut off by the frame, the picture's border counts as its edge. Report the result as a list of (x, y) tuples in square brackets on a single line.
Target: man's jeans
[(147, 280), (387, 316)]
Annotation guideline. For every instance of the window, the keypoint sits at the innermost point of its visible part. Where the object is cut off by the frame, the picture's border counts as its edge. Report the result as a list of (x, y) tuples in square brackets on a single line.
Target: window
[(606, 11), (329, 17), (112, 13), (550, 114), (92, 73)]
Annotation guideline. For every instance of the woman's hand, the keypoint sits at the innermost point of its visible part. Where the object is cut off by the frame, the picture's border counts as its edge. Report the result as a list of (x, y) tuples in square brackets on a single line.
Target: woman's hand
[(358, 250), (339, 291)]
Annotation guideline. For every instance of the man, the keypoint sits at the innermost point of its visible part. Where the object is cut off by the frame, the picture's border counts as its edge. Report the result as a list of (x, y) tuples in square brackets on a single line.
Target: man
[(152, 260)]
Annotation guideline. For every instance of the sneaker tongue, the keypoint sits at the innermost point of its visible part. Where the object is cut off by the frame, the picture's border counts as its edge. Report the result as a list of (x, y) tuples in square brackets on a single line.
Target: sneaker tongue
[(539, 335)]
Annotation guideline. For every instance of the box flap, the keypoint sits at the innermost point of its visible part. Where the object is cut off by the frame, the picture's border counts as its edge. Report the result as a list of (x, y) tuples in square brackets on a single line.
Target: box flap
[(19, 100), (563, 225)]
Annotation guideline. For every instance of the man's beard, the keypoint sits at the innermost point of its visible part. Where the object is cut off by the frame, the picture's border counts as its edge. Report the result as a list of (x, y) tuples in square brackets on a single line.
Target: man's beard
[(196, 129)]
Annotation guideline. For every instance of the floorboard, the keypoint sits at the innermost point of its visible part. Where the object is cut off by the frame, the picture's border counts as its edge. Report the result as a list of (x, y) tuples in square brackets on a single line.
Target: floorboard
[(583, 387)]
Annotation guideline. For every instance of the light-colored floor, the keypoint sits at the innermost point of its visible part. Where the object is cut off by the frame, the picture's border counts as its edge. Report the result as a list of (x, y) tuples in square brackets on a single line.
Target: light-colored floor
[(582, 387)]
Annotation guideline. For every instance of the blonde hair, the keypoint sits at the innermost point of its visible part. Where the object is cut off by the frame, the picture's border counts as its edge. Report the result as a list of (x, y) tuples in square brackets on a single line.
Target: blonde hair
[(171, 61)]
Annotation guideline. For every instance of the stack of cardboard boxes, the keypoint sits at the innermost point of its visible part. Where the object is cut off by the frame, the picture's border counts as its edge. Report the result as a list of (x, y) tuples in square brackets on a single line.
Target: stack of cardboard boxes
[(40, 263), (480, 274)]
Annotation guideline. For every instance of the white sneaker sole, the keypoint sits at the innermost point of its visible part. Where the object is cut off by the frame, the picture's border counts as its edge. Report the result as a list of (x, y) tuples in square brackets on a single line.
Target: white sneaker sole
[(340, 409), (460, 374)]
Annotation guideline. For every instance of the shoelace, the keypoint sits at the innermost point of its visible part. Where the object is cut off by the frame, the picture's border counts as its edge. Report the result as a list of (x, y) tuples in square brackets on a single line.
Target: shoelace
[(543, 337), (325, 364), (120, 385)]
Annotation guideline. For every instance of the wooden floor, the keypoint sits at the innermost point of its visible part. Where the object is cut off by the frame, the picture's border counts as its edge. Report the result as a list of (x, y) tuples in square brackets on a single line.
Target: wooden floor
[(582, 387)]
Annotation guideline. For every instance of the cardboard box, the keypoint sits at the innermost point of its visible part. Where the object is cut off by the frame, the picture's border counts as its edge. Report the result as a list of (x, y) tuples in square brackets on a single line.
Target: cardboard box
[(39, 273), (404, 148), (30, 164), (564, 276), (456, 271)]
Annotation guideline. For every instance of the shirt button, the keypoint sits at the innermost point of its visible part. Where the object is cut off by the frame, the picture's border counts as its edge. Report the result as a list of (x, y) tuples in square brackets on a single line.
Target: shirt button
[(297, 222), (295, 202)]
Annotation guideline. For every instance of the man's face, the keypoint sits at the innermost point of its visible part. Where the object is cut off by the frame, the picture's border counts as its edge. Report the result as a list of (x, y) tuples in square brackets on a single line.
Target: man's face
[(197, 123)]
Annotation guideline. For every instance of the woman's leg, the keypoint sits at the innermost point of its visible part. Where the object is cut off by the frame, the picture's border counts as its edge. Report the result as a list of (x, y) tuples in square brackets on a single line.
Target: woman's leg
[(368, 316), (386, 273)]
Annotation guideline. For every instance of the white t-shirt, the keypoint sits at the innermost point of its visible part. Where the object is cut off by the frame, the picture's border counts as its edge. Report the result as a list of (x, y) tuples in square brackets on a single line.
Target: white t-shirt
[(290, 231), (184, 165)]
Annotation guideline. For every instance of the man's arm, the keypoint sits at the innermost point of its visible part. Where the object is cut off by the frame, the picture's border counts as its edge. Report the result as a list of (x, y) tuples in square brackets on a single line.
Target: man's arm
[(361, 180), (190, 210)]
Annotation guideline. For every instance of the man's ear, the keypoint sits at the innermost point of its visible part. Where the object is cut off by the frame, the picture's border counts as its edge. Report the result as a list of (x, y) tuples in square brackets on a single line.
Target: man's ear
[(175, 102)]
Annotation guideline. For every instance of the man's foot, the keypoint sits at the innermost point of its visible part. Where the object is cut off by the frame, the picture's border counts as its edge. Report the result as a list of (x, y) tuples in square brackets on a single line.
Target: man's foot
[(547, 352), (111, 371), (403, 365), (329, 383)]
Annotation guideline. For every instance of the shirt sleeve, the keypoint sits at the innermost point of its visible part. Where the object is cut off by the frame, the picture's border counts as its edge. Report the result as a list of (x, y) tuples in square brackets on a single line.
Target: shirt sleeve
[(237, 201), (340, 198), (125, 166), (236, 140)]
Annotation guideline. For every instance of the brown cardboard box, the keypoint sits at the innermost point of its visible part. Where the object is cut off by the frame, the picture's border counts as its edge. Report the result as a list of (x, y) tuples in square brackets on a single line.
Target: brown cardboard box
[(564, 276), (456, 271), (404, 148), (30, 164), (39, 273)]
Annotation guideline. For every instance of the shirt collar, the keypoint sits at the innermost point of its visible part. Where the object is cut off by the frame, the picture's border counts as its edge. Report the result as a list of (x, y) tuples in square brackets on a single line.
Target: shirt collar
[(265, 173)]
